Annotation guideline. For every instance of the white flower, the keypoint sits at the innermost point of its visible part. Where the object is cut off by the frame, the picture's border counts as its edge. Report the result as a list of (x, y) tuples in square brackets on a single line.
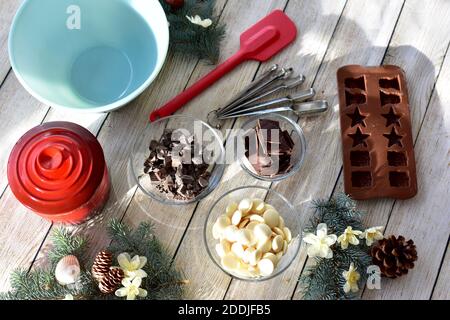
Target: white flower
[(205, 23), (319, 243), (68, 297), (132, 267), (349, 236), (372, 234), (351, 279), (131, 289)]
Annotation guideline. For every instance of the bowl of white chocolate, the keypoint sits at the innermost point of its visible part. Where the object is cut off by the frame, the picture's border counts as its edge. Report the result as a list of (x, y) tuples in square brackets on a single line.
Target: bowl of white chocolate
[(252, 233)]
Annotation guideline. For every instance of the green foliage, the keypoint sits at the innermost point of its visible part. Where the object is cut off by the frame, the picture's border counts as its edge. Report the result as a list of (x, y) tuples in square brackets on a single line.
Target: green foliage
[(191, 39), (324, 280), (163, 281)]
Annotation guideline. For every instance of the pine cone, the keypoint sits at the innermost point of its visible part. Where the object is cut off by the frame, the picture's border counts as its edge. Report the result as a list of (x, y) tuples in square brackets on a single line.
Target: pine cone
[(111, 281), (394, 256), (102, 264)]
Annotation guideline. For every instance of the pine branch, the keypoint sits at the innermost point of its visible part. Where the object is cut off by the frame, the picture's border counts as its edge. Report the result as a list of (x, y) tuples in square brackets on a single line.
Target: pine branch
[(66, 243)]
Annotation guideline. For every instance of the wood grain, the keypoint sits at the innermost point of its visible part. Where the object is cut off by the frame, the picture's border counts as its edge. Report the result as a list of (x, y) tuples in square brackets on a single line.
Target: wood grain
[(441, 289), (354, 41), (8, 9)]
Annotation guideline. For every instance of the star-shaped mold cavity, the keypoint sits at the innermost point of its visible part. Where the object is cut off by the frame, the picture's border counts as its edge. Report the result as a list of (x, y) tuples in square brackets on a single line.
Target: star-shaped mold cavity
[(357, 118), (394, 138), (359, 138), (392, 118)]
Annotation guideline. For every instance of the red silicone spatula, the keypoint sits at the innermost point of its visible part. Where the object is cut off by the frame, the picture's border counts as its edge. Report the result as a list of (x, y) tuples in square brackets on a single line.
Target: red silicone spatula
[(262, 41)]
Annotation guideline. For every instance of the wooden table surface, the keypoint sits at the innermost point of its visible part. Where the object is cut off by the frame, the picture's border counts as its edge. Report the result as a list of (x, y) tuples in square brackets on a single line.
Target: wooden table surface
[(412, 34)]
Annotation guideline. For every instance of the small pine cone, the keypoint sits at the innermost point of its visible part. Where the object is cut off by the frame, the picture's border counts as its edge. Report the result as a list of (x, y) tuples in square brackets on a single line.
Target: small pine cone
[(111, 281), (394, 256), (102, 264)]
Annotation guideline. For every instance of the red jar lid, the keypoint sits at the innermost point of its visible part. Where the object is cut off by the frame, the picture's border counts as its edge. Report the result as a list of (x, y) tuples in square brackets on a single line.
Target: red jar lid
[(56, 167)]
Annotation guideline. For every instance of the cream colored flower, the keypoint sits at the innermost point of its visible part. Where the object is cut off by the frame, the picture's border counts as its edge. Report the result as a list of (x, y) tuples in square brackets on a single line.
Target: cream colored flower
[(131, 289), (372, 234), (351, 279), (205, 23), (349, 236), (68, 297), (320, 243), (132, 267)]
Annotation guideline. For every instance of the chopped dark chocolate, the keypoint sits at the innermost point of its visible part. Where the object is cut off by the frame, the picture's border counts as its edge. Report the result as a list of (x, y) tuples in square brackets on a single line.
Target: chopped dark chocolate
[(175, 166), (268, 148)]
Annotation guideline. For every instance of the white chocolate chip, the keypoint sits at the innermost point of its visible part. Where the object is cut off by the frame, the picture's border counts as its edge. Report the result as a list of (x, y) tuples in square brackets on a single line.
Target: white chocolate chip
[(277, 243), (251, 226), (252, 256), (271, 217), (288, 234), (237, 216), (285, 246), (237, 249), (279, 255), (271, 257), (268, 207), (245, 205), (279, 232), (262, 232), (264, 246), (266, 267), (223, 221), (281, 223), (216, 232), (244, 237), (256, 217), (258, 206), (230, 233), (231, 208), (223, 248), (230, 262), (243, 223)]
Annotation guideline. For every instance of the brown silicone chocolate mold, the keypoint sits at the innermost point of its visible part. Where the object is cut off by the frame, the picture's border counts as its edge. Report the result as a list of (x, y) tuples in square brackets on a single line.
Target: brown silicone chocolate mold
[(376, 132)]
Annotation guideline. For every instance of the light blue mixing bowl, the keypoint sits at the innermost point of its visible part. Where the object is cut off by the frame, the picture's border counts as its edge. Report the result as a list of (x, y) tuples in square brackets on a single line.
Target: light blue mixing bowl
[(88, 55)]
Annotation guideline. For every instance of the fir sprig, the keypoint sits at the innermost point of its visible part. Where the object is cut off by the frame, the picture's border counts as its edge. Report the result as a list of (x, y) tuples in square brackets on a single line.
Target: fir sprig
[(323, 280), (191, 39), (163, 281)]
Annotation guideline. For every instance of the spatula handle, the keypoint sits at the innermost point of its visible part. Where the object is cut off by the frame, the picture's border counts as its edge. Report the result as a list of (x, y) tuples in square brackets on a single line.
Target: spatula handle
[(197, 88)]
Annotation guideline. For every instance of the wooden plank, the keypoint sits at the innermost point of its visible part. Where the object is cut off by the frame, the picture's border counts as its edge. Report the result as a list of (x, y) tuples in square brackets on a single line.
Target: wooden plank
[(442, 288), (191, 256), (421, 57), (356, 40), (425, 217), (8, 9)]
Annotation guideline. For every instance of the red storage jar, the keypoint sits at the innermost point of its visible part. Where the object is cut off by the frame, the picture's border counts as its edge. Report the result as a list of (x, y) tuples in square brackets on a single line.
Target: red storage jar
[(59, 171)]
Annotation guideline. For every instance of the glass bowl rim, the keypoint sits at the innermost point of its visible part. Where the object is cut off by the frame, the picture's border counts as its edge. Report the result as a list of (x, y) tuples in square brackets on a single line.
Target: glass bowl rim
[(298, 164), (205, 192), (260, 279)]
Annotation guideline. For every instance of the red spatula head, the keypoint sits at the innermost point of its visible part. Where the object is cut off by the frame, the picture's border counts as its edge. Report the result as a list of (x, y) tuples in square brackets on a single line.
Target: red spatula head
[(268, 36)]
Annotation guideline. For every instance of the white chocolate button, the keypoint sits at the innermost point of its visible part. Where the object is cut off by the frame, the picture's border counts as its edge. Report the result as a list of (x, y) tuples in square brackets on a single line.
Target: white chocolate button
[(237, 249), (281, 223), (288, 234), (223, 248), (215, 231), (257, 218), (277, 243), (251, 226), (271, 217), (262, 232), (245, 205), (266, 267), (278, 231), (268, 207), (258, 206), (285, 246), (230, 262), (271, 257), (252, 255), (244, 237), (237, 216), (231, 208), (223, 221), (243, 223), (279, 255), (230, 233), (264, 246)]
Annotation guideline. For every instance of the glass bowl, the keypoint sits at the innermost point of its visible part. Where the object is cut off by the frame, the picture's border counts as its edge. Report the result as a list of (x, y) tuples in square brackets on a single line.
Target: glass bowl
[(298, 151), (210, 151), (270, 197)]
